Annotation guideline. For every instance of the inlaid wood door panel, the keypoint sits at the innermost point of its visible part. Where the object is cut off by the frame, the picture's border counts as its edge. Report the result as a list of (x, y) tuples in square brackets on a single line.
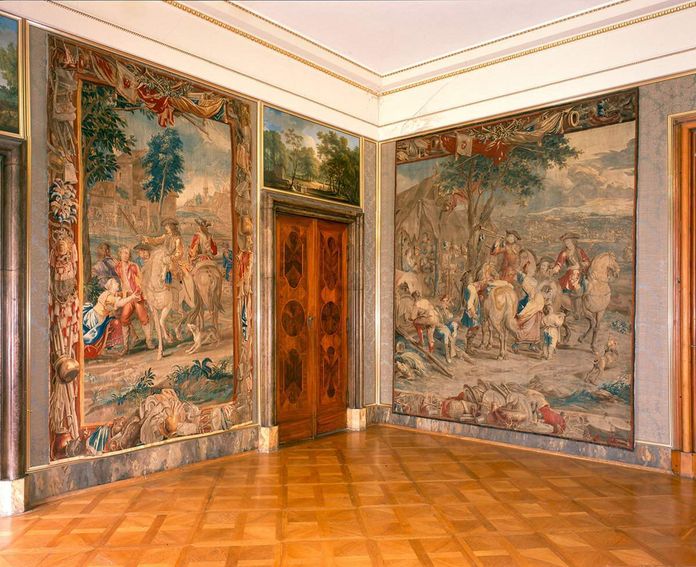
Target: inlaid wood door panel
[(295, 307), (311, 332), (332, 385)]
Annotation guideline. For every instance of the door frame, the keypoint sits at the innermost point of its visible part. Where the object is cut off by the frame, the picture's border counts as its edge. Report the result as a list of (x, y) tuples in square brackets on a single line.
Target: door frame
[(683, 180), (272, 204)]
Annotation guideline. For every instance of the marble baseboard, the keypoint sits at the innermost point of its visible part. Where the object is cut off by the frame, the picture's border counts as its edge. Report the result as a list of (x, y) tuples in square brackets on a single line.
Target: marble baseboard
[(268, 439), (65, 477), (13, 496), (356, 419), (644, 454)]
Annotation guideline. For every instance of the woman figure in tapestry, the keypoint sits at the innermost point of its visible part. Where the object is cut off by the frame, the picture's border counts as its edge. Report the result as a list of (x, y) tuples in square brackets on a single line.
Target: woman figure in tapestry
[(97, 317)]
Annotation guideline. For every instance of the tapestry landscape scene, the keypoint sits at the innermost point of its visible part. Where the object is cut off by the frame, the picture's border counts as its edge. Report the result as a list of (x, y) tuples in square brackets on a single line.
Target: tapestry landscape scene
[(151, 240), (305, 157), (514, 272), (9, 75)]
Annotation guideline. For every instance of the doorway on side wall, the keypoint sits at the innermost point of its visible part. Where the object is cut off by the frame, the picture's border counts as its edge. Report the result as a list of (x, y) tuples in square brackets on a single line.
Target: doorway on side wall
[(683, 155), (311, 334)]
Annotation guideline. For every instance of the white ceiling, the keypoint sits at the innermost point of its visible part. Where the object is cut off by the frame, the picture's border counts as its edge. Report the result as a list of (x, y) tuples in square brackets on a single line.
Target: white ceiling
[(386, 36)]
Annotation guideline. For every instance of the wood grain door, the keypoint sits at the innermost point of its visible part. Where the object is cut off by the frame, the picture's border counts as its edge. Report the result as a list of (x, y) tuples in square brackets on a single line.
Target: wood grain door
[(310, 321), (331, 331)]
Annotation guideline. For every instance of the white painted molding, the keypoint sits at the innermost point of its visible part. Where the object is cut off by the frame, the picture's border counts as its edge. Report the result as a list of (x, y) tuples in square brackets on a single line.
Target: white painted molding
[(265, 68)]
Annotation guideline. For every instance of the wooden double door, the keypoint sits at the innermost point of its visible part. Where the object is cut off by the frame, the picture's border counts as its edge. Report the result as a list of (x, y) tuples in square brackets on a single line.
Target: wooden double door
[(311, 343)]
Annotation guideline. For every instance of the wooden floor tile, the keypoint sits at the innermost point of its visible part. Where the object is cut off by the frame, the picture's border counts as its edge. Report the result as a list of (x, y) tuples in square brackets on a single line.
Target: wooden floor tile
[(383, 497)]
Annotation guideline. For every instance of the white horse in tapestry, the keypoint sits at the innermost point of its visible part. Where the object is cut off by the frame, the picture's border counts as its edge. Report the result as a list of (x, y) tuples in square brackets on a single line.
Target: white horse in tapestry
[(163, 299)]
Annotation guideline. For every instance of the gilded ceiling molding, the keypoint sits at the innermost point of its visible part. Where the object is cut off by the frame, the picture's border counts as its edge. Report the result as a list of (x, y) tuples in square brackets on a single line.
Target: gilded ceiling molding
[(374, 92), (545, 47), (434, 59), (264, 43), (308, 40)]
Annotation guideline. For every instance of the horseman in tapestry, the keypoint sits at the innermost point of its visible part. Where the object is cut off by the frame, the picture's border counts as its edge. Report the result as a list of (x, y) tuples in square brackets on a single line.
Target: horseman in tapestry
[(544, 338)]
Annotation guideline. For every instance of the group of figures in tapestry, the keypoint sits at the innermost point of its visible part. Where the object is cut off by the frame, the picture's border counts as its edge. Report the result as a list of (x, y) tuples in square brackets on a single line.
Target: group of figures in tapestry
[(514, 272), (151, 240)]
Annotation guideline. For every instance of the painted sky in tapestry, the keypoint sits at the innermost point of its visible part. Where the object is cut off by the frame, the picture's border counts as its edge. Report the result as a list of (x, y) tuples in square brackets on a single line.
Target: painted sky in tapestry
[(514, 283), (305, 157), (151, 255)]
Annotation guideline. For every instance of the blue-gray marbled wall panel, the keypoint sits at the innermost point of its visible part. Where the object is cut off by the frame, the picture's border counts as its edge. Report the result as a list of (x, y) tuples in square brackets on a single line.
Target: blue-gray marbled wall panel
[(386, 277), (38, 259), (647, 455), (65, 476), (369, 205)]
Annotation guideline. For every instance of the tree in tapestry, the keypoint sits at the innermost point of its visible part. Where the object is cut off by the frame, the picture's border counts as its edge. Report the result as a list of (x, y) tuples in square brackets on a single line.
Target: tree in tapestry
[(514, 272), (150, 223)]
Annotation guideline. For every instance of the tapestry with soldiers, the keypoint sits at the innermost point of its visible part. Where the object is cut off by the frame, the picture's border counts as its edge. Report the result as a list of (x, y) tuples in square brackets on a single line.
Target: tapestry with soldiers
[(514, 272), (151, 239)]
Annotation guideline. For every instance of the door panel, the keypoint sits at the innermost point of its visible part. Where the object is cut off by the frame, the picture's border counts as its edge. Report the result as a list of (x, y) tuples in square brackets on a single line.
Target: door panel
[(332, 386), (295, 348), (310, 321)]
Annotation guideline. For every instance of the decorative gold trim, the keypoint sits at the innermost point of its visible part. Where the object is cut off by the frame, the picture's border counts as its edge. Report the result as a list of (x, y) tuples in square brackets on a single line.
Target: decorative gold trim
[(307, 39), (264, 43), (27, 250), (461, 71), (506, 37), (260, 418), (434, 59), (545, 47)]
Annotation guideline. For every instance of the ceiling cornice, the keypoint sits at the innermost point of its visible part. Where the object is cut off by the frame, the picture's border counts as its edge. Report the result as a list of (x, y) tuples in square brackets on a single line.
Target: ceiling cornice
[(545, 47), (251, 37), (460, 71), (434, 59), (307, 39)]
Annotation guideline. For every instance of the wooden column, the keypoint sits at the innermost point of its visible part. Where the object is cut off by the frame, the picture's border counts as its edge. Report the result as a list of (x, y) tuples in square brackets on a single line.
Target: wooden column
[(684, 179)]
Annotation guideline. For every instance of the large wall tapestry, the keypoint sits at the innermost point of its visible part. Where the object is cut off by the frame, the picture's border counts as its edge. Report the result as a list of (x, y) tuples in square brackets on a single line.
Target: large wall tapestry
[(151, 239), (514, 272), (306, 157)]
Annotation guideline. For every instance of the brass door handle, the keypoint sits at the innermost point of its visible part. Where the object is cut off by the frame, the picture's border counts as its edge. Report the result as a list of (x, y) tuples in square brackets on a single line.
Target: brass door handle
[(310, 321)]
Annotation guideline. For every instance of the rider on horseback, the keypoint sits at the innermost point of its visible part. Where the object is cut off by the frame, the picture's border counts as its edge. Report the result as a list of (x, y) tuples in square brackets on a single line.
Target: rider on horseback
[(173, 244), (576, 261), (203, 246), (510, 250)]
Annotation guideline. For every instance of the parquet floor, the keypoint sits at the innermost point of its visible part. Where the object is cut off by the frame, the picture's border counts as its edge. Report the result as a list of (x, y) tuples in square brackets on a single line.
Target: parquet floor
[(382, 497)]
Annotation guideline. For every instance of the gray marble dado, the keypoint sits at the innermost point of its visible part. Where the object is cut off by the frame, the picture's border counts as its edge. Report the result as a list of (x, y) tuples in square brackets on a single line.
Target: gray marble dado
[(654, 285), (386, 276), (646, 455), (369, 205), (38, 363), (60, 478)]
